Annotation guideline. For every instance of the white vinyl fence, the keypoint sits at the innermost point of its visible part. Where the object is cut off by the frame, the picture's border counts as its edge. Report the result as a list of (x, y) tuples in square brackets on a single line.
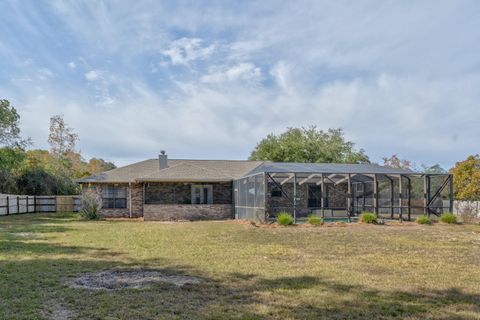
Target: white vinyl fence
[(471, 208), (16, 204)]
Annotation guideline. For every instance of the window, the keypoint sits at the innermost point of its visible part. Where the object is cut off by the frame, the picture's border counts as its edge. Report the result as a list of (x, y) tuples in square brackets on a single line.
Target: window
[(276, 191), (202, 194), (88, 187), (114, 197), (359, 188)]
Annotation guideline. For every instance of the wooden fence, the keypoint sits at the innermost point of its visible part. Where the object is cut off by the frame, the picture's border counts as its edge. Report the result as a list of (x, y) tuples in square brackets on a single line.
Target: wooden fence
[(17, 204)]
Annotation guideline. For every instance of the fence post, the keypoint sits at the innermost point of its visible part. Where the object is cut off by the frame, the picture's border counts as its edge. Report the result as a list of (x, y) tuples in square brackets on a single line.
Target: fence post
[(8, 205), (34, 204), (18, 205), (27, 203)]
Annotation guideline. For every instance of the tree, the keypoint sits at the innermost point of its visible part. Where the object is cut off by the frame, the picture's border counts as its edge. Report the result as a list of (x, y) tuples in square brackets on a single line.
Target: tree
[(395, 162), (308, 145), (436, 168), (11, 159), (9, 126), (68, 164), (99, 165), (39, 159), (40, 172), (62, 138), (37, 181), (466, 178)]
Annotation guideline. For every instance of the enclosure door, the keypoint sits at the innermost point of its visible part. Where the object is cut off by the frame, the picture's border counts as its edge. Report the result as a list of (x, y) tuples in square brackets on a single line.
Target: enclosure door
[(314, 196)]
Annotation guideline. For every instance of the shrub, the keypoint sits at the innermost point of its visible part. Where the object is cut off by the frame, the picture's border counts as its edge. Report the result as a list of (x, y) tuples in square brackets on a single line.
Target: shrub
[(91, 203), (424, 219), (314, 220), (284, 218), (448, 218), (369, 217)]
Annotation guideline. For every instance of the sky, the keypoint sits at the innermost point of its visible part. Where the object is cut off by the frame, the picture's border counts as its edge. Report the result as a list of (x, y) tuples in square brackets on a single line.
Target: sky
[(209, 79)]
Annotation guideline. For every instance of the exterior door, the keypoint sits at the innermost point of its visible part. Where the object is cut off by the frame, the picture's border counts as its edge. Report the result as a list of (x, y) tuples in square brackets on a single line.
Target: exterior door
[(202, 194)]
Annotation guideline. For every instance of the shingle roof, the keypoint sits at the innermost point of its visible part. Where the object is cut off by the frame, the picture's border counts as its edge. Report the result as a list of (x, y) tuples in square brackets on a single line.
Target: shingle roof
[(178, 170), (226, 170)]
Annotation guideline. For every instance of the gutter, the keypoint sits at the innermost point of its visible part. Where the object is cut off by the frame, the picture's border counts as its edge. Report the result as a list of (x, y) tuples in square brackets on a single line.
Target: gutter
[(143, 180)]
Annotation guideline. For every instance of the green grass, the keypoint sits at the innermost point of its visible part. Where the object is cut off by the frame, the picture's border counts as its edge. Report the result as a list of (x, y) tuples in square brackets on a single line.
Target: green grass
[(369, 217), (448, 218), (424, 219), (284, 219), (355, 271), (314, 220)]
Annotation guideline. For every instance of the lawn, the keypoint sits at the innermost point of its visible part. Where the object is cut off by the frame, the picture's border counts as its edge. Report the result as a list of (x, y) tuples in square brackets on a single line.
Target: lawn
[(246, 272)]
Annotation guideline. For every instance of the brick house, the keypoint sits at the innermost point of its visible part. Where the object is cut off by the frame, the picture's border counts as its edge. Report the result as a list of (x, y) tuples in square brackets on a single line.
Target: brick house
[(170, 189), (181, 189)]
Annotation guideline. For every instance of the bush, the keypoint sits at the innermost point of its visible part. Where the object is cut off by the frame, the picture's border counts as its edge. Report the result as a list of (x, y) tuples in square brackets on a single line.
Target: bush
[(284, 218), (448, 218), (423, 219), (314, 220), (368, 217), (91, 203)]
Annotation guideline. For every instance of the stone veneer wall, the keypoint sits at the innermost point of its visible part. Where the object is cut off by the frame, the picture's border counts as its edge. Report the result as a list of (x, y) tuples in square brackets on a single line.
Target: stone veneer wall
[(136, 191), (175, 212), (166, 193)]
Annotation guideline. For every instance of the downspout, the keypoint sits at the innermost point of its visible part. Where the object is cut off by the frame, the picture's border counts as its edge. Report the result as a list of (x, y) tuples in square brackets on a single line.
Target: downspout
[(143, 201), (130, 198), (294, 198)]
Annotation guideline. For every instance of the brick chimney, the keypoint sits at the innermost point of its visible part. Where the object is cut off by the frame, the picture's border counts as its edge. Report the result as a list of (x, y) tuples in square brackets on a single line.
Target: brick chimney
[(162, 160)]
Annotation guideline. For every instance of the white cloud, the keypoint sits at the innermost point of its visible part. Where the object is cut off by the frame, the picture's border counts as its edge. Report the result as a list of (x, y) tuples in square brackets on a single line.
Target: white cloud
[(92, 75), (27, 62), (185, 50), (44, 73), (244, 71), (72, 65), (281, 74)]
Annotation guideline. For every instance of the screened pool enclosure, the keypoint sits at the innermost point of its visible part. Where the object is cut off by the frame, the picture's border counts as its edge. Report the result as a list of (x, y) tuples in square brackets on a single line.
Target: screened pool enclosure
[(340, 191)]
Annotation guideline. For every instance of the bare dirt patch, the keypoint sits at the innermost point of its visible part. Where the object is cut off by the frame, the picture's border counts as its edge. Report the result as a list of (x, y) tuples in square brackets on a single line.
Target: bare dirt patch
[(123, 279)]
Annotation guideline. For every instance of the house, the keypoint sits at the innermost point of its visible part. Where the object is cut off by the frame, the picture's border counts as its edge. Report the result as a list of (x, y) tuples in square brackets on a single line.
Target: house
[(184, 189)]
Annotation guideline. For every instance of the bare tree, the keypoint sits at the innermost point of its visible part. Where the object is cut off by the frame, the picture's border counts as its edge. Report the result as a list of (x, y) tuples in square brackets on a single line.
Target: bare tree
[(62, 139), (395, 162)]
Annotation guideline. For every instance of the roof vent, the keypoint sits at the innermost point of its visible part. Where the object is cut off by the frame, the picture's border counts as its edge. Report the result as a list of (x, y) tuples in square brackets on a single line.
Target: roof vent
[(162, 160)]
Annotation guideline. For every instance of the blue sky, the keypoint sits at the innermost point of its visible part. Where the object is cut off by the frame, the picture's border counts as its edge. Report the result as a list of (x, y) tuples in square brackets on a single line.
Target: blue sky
[(210, 79)]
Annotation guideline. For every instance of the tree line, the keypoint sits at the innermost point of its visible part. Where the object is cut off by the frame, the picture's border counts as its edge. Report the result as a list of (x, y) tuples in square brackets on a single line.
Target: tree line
[(42, 172), (54, 171)]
